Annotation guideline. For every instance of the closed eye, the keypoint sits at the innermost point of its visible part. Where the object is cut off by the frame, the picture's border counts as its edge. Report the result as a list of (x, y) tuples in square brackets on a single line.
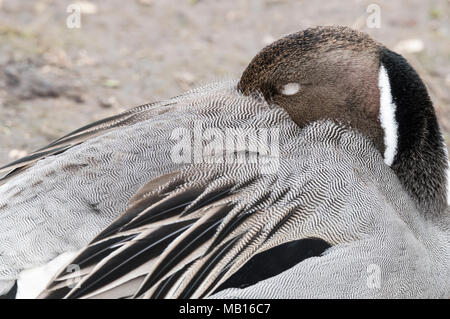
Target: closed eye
[(290, 88)]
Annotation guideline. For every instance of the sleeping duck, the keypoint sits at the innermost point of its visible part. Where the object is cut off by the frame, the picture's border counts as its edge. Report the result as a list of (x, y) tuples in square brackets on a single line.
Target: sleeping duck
[(320, 173)]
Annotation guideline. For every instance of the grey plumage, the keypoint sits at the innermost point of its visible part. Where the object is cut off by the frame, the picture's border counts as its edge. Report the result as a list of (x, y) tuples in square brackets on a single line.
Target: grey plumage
[(331, 184), (201, 208), (65, 200)]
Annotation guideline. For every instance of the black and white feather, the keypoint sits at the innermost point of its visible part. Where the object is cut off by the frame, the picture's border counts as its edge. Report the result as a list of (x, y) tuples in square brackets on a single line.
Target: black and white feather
[(166, 205), (196, 231)]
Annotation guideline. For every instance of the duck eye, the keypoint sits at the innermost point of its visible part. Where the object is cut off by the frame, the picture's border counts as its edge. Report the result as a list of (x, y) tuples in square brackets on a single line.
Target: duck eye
[(290, 88)]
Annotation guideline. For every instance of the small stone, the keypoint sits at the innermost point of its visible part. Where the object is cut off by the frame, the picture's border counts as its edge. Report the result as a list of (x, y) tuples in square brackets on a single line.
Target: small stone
[(111, 83), (16, 154), (268, 39), (232, 16), (185, 79), (58, 57), (84, 59), (447, 80), (410, 46), (87, 7), (108, 102), (146, 2)]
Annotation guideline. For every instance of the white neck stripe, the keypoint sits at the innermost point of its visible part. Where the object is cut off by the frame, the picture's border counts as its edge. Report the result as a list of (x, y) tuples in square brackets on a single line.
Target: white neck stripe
[(448, 184), (447, 173), (387, 117)]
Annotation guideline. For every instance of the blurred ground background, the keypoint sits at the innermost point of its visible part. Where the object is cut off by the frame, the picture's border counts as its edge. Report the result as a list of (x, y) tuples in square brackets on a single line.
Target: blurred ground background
[(54, 79)]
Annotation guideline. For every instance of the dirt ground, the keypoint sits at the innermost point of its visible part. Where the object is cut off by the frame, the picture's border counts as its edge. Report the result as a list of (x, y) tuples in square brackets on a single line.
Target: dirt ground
[(54, 79)]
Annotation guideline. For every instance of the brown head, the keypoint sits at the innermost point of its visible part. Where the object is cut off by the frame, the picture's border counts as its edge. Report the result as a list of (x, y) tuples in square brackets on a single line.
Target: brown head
[(341, 74)]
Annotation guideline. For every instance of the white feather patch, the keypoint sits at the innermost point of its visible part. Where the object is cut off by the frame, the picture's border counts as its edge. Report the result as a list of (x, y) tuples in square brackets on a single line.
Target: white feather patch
[(447, 172), (387, 117), (448, 184), (33, 281), (290, 88), (447, 177)]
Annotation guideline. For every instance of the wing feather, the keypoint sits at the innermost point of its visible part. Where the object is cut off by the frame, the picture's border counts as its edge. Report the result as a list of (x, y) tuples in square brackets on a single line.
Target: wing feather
[(132, 116), (183, 235)]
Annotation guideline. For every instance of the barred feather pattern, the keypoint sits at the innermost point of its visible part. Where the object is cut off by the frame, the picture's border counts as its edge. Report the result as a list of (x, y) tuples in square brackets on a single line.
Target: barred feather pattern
[(81, 182), (350, 202), (190, 226)]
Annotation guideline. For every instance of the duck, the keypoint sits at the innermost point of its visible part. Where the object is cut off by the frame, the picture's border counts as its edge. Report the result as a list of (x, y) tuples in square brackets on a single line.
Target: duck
[(320, 173)]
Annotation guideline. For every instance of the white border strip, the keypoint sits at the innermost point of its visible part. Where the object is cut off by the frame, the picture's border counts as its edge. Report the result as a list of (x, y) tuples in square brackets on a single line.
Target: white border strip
[(387, 117)]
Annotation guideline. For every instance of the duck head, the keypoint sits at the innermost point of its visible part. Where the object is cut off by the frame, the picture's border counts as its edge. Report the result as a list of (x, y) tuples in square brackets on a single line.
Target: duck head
[(341, 74)]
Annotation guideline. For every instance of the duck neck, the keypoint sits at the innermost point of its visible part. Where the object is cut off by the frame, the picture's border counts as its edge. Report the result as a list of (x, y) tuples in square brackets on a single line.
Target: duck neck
[(421, 161)]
